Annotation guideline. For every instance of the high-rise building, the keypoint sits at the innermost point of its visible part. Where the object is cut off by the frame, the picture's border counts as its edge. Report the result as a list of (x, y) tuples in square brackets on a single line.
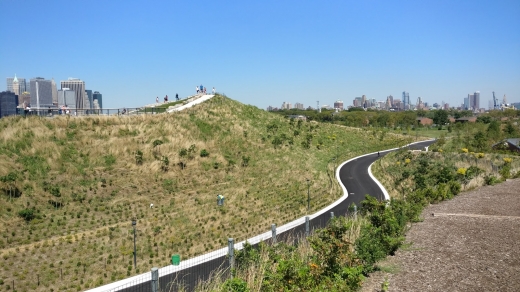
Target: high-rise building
[(8, 103), (406, 100), (54, 92), (96, 96), (474, 101), (299, 106), (466, 103), (88, 93), (21, 85), (338, 105), (67, 98), (78, 86), (41, 93), (391, 98)]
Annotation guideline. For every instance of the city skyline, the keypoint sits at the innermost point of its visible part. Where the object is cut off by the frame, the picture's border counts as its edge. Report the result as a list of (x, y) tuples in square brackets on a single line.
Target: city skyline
[(260, 53)]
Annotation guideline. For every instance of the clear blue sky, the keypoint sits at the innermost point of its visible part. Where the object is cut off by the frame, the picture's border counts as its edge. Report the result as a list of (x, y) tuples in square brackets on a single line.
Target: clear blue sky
[(270, 51)]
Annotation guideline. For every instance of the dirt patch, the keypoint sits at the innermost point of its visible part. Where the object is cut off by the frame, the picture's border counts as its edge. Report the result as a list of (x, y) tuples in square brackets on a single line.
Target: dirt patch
[(470, 243)]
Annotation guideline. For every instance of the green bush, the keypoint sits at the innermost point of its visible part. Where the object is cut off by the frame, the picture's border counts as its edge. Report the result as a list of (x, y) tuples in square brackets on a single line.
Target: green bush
[(27, 214), (235, 285), (204, 153)]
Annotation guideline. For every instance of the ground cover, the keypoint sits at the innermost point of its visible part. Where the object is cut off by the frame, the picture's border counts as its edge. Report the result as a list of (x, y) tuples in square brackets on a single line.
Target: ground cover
[(70, 187)]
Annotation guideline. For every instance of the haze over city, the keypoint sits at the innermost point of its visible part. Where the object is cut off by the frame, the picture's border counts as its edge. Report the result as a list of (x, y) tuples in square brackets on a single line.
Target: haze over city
[(265, 53)]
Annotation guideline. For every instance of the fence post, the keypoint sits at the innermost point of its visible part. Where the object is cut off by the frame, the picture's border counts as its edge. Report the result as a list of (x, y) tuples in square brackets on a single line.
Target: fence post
[(273, 230), (231, 252), (307, 226), (331, 215), (155, 279)]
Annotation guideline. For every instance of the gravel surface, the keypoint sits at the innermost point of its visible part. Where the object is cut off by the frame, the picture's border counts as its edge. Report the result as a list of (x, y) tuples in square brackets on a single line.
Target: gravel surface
[(470, 243)]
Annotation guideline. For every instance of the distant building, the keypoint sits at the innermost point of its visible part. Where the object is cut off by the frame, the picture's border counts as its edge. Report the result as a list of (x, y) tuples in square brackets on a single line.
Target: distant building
[(90, 99), (512, 144), (474, 101), (8, 103), (41, 93), (67, 98), (338, 105), (466, 120), (390, 98), (24, 99), (99, 97), (78, 86), (54, 92), (406, 100), (425, 121), (19, 88), (466, 103)]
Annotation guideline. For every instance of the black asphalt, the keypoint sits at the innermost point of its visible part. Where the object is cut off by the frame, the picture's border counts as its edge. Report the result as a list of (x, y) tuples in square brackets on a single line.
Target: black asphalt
[(353, 175)]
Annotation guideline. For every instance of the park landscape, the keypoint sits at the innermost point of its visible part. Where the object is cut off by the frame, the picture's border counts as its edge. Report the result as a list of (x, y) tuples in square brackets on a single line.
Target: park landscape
[(72, 185)]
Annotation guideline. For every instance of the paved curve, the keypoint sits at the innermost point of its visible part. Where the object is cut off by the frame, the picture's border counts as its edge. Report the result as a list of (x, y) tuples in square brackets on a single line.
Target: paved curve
[(355, 179)]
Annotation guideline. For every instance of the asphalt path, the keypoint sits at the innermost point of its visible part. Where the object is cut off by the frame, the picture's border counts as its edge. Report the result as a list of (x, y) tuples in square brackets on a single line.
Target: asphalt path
[(354, 175)]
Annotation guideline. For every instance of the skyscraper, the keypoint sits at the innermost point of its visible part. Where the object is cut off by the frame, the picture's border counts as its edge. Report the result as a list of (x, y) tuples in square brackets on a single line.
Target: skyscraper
[(88, 93), (474, 101), (41, 93), (78, 86), (406, 100), (96, 96), (21, 85), (8, 103), (67, 98), (54, 92)]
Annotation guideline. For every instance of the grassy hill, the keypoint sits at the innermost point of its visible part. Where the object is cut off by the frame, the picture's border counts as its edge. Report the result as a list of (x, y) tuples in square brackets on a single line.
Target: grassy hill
[(70, 187)]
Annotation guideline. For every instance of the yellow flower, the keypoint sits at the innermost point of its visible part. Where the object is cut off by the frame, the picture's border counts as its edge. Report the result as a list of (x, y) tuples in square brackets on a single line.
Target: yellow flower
[(407, 160), (398, 163), (462, 171), (479, 155), (507, 160), (465, 150)]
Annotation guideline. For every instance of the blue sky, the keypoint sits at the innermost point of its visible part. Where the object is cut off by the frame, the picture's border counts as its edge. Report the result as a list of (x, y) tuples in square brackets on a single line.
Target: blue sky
[(267, 52)]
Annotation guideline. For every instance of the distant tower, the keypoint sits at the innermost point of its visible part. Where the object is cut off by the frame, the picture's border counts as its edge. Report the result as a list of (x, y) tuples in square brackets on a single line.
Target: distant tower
[(406, 100), (16, 86), (97, 98), (78, 86), (54, 92), (504, 100), (319, 109)]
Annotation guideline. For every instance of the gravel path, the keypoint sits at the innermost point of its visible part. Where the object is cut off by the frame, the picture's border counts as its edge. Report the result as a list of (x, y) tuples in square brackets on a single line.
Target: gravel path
[(470, 243)]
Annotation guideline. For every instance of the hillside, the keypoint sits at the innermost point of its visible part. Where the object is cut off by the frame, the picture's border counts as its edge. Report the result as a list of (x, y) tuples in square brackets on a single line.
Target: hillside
[(71, 186)]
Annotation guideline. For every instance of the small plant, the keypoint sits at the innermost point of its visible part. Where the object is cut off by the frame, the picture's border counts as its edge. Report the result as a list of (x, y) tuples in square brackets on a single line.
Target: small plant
[(165, 163), (204, 153), (139, 157), (27, 214), (245, 161)]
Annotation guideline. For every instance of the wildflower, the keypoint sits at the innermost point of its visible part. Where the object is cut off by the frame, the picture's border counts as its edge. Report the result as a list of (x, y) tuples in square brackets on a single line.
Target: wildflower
[(507, 160), (465, 150), (462, 171), (407, 160)]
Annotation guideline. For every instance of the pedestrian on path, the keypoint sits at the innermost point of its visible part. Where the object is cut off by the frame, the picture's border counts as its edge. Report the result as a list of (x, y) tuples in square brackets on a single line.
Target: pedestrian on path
[(213, 91), (157, 100), (197, 89)]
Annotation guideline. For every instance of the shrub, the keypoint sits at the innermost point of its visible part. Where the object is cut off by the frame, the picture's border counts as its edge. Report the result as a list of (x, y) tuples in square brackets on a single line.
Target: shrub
[(27, 214), (235, 285), (204, 153)]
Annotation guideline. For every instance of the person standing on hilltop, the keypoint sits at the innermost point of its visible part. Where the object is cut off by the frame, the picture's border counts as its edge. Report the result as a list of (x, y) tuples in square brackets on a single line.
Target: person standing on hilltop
[(213, 91), (157, 100), (176, 96), (197, 89)]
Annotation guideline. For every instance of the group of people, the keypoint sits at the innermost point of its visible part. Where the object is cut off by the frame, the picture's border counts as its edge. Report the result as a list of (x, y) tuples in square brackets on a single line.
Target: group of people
[(202, 90), (166, 98)]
